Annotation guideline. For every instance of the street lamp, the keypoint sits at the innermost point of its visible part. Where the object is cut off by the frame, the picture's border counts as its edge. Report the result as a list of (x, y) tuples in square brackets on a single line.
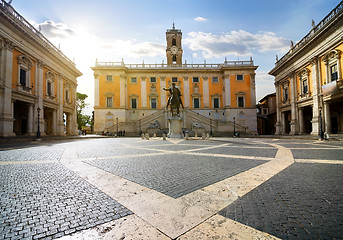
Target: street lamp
[(211, 126), (38, 130), (234, 126), (320, 133), (117, 127)]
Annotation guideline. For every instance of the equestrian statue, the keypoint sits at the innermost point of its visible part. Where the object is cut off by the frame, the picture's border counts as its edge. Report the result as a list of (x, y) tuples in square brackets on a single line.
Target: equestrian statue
[(174, 100)]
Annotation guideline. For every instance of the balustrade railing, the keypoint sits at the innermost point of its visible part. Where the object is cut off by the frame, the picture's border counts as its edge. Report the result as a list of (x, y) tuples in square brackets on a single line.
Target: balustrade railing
[(12, 13)]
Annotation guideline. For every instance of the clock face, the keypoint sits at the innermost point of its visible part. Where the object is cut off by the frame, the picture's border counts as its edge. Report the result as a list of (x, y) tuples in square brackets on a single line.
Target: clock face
[(173, 49)]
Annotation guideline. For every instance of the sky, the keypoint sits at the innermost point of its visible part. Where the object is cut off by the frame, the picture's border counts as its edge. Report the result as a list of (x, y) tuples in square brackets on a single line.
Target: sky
[(212, 30)]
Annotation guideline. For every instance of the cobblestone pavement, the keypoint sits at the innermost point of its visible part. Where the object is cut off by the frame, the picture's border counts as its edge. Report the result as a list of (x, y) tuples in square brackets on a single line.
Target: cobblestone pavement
[(130, 188)]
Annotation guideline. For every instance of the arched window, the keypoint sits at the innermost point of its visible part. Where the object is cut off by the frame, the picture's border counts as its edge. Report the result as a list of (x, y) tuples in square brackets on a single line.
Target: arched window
[(174, 58), (174, 42)]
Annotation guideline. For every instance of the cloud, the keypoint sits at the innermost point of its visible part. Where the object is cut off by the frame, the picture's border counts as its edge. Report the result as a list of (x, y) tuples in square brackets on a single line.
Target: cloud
[(264, 85), (200, 19), (240, 43), (55, 30)]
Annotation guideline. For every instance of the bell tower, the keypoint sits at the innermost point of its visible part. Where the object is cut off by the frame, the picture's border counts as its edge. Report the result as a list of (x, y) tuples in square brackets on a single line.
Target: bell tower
[(174, 47)]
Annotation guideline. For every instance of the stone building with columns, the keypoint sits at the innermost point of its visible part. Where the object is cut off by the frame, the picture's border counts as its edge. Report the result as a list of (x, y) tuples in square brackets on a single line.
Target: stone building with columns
[(130, 97), (36, 79), (308, 80)]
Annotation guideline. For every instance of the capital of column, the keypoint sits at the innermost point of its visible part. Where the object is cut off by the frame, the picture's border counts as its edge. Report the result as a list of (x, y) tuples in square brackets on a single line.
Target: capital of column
[(143, 78), (205, 78), (9, 45), (163, 78), (314, 61), (40, 64), (185, 78)]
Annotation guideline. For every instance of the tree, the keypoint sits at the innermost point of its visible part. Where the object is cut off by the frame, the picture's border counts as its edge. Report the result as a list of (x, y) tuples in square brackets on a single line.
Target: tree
[(81, 104)]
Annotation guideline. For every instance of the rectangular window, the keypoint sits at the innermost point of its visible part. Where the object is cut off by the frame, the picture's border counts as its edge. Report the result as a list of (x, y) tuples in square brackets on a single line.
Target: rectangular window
[(153, 103), (109, 102), (133, 80), (67, 95), (305, 86), (215, 102), (195, 79), (239, 77), (196, 103), (285, 91), (215, 80), (174, 79), (109, 77), (133, 103), (49, 89), (240, 101), (22, 77), (334, 72), (152, 79)]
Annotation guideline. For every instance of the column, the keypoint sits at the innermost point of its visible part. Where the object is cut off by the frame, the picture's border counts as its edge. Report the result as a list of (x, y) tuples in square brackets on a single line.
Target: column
[(143, 93), (30, 120), (186, 97), (301, 121), (163, 93), (6, 113), (206, 92), (278, 125), (327, 118), (315, 96), (294, 120), (252, 90)]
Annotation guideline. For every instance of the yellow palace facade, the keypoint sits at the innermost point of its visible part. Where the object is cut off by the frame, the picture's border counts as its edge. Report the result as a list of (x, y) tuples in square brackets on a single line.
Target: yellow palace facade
[(37, 81), (130, 97), (308, 81)]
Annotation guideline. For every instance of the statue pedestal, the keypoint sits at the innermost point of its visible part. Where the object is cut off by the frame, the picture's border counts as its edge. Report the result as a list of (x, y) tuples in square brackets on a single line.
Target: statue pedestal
[(175, 127)]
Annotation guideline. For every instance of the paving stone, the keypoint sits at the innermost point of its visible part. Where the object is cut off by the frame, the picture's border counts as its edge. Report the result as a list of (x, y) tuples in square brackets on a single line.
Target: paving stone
[(36, 189), (301, 200), (175, 175)]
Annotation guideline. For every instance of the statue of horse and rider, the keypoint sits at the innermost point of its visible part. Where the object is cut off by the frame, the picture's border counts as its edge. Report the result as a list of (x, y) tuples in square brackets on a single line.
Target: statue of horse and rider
[(174, 100)]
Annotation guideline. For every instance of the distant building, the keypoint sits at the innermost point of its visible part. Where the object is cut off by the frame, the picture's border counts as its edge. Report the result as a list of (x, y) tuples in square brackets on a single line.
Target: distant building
[(266, 115), (308, 80), (34, 75), (130, 97)]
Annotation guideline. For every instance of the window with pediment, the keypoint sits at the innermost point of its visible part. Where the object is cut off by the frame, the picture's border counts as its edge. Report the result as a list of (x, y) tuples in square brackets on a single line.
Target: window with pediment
[(240, 99), (24, 70), (109, 99), (304, 82), (50, 82), (333, 66)]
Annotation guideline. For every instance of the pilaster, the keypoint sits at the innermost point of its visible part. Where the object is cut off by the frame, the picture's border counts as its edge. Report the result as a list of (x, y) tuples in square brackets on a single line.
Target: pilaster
[(252, 89), (122, 91), (143, 92), (315, 95), (294, 120), (96, 90), (6, 113), (278, 125), (186, 97), (227, 97), (163, 93), (206, 92)]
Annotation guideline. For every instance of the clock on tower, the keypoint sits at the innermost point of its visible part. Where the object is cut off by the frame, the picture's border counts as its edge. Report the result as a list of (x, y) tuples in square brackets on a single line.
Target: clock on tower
[(174, 47)]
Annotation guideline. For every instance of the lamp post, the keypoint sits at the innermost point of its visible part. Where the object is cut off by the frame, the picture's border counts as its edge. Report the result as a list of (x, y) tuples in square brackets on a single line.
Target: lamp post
[(320, 133), (117, 127), (38, 129), (211, 126), (234, 126)]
